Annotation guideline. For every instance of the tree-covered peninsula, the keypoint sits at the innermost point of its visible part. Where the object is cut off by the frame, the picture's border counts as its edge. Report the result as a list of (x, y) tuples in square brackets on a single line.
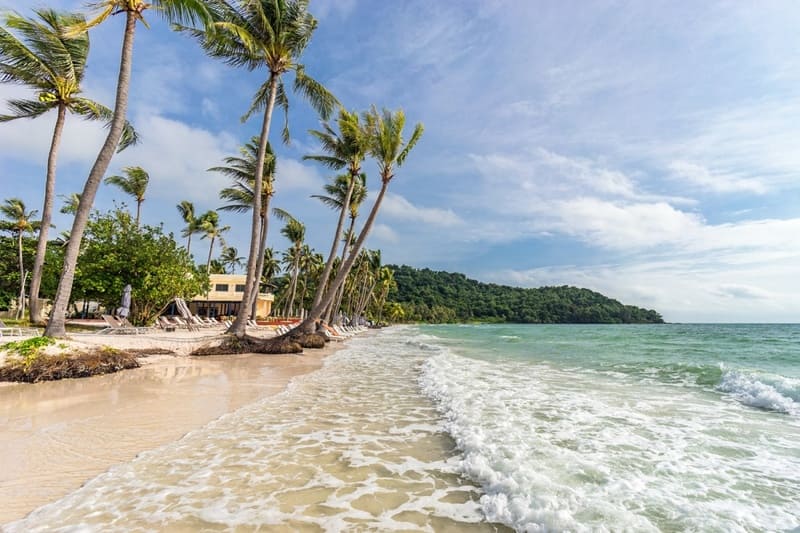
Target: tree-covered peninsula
[(429, 296)]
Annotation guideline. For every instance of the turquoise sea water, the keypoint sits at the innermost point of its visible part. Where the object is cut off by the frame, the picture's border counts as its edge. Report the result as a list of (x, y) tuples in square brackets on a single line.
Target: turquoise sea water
[(488, 427)]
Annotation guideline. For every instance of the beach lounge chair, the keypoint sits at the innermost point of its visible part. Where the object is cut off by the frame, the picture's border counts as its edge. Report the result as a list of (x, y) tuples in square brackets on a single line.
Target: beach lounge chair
[(120, 326), (8, 331)]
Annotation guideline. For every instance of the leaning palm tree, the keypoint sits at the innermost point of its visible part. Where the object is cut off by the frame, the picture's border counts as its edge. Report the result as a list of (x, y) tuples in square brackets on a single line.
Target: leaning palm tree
[(210, 229), (53, 66), (18, 222), (386, 146), (242, 171), (186, 210), (270, 34), (134, 183), (337, 194), (344, 150), (174, 10)]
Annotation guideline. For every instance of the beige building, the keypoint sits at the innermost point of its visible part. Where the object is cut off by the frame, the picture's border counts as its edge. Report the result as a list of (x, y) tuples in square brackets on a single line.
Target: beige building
[(225, 298)]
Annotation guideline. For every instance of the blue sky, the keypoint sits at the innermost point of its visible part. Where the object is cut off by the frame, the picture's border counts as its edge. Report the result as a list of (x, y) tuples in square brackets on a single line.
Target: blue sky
[(646, 150)]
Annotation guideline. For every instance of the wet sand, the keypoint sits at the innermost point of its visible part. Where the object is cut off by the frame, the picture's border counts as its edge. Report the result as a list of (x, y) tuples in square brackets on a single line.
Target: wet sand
[(55, 436)]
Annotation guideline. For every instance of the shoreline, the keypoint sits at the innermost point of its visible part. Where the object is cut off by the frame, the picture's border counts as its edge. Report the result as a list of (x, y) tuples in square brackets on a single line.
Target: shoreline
[(56, 435)]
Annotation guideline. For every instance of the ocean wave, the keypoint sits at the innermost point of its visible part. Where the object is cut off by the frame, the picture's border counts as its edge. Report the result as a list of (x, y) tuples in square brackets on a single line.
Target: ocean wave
[(557, 449), (765, 391)]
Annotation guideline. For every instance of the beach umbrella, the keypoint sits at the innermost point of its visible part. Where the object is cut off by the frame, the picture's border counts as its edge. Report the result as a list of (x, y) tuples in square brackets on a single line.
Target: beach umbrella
[(125, 306)]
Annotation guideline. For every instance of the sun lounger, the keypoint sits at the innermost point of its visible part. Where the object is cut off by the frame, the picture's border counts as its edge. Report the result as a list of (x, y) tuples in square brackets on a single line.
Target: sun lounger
[(120, 326)]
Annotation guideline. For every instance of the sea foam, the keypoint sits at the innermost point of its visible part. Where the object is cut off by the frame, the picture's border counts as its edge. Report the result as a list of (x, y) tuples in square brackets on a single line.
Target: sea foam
[(765, 391)]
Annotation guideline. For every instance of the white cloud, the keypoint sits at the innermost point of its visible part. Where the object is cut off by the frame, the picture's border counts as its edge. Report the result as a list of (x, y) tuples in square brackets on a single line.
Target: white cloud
[(703, 178), (292, 175), (177, 156), (622, 226), (397, 207), (384, 234)]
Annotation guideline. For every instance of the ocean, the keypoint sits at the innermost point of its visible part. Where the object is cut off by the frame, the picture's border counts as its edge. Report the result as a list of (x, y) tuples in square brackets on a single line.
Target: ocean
[(488, 428)]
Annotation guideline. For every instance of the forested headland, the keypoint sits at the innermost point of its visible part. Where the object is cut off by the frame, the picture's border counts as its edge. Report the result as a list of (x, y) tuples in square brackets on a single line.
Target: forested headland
[(429, 296)]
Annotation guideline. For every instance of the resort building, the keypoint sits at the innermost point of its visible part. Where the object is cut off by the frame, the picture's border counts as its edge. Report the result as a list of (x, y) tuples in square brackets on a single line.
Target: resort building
[(225, 298)]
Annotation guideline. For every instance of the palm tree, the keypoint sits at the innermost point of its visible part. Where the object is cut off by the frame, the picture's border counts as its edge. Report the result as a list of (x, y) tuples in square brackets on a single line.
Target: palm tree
[(386, 283), (271, 268), (186, 210), (386, 145), (173, 10), (230, 258), (18, 222), (295, 232), (210, 229), (345, 149), (71, 202), (270, 34), (242, 171), (337, 192), (53, 66), (133, 183)]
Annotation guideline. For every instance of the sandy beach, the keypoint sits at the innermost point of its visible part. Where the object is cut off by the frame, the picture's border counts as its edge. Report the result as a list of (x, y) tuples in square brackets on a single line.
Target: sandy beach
[(57, 435)]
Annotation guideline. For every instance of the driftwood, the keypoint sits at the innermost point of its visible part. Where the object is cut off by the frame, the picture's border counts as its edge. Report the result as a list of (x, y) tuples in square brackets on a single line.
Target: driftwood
[(49, 368)]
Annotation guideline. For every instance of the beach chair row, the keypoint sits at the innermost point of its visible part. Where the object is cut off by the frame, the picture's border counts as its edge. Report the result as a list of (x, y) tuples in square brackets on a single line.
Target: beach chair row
[(192, 323)]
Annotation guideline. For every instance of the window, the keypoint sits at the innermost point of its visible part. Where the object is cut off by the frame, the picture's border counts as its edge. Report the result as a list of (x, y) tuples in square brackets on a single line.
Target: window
[(240, 287), (221, 287)]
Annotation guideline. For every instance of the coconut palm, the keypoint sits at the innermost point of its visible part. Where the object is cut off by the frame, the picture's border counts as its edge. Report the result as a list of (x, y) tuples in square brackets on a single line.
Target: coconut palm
[(344, 149), (242, 171), (230, 259), (134, 183), (18, 222), (186, 210), (386, 146), (337, 193), (271, 268), (53, 66), (270, 34), (208, 223), (71, 202), (173, 10), (295, 232)]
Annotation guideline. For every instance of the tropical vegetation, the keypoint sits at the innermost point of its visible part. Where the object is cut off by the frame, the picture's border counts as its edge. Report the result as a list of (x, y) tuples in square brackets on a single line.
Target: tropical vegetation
[(429, 296)]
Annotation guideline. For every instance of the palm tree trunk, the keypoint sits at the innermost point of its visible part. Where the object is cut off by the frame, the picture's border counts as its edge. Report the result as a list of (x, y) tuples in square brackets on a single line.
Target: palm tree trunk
[(56, 326), (239, 325), (47, 215), (326, 272), (314, 314), (189, 245), (138, 212), (260, 263), (295, 274), (210, 250), (337, 301), (21, 302)]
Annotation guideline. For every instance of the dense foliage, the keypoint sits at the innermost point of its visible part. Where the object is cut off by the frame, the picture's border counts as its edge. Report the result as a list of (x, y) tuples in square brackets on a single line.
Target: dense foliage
[(430, 296), (9, 271), (116, 252)]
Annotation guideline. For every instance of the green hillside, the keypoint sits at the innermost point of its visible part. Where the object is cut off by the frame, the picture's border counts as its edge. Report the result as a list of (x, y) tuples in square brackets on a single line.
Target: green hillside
[(430, 296)]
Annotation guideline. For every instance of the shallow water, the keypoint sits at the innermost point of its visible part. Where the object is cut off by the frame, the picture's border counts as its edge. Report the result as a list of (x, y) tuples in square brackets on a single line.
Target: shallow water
[(460, 428)]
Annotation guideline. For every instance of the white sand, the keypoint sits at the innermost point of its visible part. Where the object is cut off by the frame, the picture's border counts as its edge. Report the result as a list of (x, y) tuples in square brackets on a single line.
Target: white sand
[(54, 436)]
